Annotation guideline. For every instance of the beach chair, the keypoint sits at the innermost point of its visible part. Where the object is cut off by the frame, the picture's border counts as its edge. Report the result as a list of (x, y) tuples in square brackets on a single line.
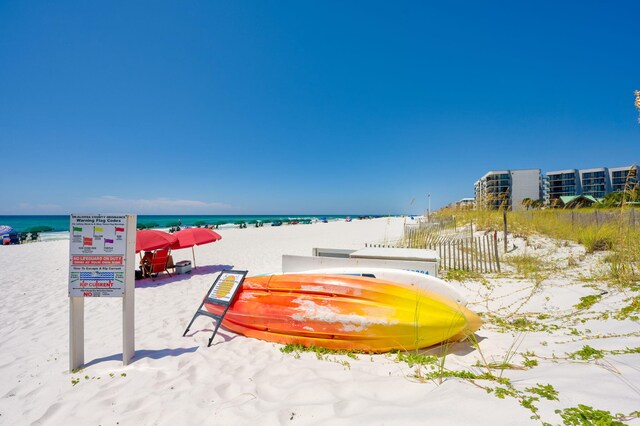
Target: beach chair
[(13, 238), (159, 262), (170, 264)]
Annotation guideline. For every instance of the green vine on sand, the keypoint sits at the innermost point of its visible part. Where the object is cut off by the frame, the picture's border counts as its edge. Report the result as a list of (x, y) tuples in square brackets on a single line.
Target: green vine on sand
[(584, 415)]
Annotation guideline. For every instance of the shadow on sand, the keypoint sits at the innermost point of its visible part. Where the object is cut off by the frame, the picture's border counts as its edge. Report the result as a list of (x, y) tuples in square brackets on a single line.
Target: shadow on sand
[(143, 353), (226, 335), (452, 348), (164, 278)]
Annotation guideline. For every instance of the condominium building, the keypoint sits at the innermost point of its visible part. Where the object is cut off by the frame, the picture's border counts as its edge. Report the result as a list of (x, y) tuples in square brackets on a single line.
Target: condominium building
[(463, 203), (623, 178), (507, 188), (562, 182), (596, 182)]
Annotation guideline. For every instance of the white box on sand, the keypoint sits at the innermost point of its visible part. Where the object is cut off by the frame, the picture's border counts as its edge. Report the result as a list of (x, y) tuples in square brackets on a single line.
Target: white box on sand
[(183, 267)]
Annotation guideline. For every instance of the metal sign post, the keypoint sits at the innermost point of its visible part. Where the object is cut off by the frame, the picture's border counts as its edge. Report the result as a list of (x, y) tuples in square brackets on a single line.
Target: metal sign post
[(101, 264), (222, 293)]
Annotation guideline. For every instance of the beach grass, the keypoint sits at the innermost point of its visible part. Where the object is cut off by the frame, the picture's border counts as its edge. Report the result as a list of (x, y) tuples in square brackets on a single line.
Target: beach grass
[(612, 230)]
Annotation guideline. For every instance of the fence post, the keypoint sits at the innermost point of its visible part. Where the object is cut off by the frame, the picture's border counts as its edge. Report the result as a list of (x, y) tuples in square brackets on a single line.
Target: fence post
[(633, 218), (473, 263), (504, 219), (444, 252), (466, 252), (495, 247), (492, 254), (473, 255), (455, 261), (483, 250), (477, 254)]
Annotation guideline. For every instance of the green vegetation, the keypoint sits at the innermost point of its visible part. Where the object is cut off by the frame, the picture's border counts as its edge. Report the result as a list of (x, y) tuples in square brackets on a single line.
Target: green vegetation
[(584, 415), (430, 368), (462, 275), (630, 311), (530, 267), (587, 302), (597, 238), (616, 199), (587, 353), (321, 353), (520, 324), (616, 272), (415, 358), (597, 229)]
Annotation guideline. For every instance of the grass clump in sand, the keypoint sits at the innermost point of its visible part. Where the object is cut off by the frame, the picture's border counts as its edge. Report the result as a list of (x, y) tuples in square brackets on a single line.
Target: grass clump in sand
[(525, 264), (630, 311), (520, 324), (416, 358), (587, 353), (321, 353), (586, 415), (587, 302), (600, 238), (462, 275)]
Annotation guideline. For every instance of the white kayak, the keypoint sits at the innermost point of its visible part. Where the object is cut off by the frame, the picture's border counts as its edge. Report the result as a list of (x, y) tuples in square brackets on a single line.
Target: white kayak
[(412, 278)]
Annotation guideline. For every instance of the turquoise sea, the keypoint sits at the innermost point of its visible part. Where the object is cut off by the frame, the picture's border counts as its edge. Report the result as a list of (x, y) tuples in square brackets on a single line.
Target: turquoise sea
[(60, 223)]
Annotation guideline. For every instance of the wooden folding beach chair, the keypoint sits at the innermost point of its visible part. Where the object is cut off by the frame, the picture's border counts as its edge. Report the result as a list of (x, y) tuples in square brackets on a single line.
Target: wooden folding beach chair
[(159, 262)]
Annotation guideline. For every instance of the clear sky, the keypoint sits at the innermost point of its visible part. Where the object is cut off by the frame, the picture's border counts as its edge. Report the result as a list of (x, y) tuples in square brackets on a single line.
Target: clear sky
[(311, 107)]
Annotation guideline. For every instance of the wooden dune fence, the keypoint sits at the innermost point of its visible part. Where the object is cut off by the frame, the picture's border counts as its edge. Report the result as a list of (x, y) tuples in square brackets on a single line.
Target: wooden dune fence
[(457, 251)]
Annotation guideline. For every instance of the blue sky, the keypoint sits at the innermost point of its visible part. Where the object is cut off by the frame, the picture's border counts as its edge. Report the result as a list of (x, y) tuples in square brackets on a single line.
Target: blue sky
[(267, 107)]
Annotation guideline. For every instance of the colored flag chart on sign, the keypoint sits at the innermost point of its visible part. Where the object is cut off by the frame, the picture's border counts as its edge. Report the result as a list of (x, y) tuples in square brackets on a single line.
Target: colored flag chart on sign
[(97, 255), (225, 287)]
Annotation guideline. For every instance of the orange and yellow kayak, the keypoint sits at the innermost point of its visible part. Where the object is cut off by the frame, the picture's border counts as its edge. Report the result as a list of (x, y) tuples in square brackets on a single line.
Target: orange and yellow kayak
[(345, 312)]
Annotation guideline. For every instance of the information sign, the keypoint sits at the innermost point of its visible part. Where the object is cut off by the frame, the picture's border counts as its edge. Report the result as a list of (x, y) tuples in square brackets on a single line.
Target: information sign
[(226, 286), (221, 293), (97, 260), (101, 264)]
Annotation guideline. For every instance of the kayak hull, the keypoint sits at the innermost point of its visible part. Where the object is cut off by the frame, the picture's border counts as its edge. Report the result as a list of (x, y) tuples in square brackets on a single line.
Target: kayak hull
[(344, 313), (416, 279)]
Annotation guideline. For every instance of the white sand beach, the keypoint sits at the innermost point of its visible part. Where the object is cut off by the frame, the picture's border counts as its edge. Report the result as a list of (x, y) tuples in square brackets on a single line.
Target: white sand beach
[(177, 380)]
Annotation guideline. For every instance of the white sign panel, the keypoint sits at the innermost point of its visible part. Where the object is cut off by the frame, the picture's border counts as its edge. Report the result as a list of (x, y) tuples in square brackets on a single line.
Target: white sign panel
[(291, 263), (97, 256), (226, 286)]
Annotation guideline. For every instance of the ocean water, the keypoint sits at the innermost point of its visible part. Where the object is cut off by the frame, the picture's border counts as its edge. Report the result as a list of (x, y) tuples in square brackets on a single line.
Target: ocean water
[(60, 223)]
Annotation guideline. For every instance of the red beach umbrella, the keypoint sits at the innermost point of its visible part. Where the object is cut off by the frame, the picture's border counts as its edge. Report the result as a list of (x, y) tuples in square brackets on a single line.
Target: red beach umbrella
[(151, 239), (194, 237)]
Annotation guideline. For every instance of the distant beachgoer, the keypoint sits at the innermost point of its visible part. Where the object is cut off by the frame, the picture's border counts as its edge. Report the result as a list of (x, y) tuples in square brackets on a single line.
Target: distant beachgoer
[(145, 264)]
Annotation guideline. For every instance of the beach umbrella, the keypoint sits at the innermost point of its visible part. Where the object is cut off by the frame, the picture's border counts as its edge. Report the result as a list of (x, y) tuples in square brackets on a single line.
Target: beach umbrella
[(194, 237), (5, 229), (151, 239)]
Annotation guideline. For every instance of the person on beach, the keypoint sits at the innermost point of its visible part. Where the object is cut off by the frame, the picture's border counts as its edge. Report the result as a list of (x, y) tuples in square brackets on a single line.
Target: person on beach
[(145, 264)]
